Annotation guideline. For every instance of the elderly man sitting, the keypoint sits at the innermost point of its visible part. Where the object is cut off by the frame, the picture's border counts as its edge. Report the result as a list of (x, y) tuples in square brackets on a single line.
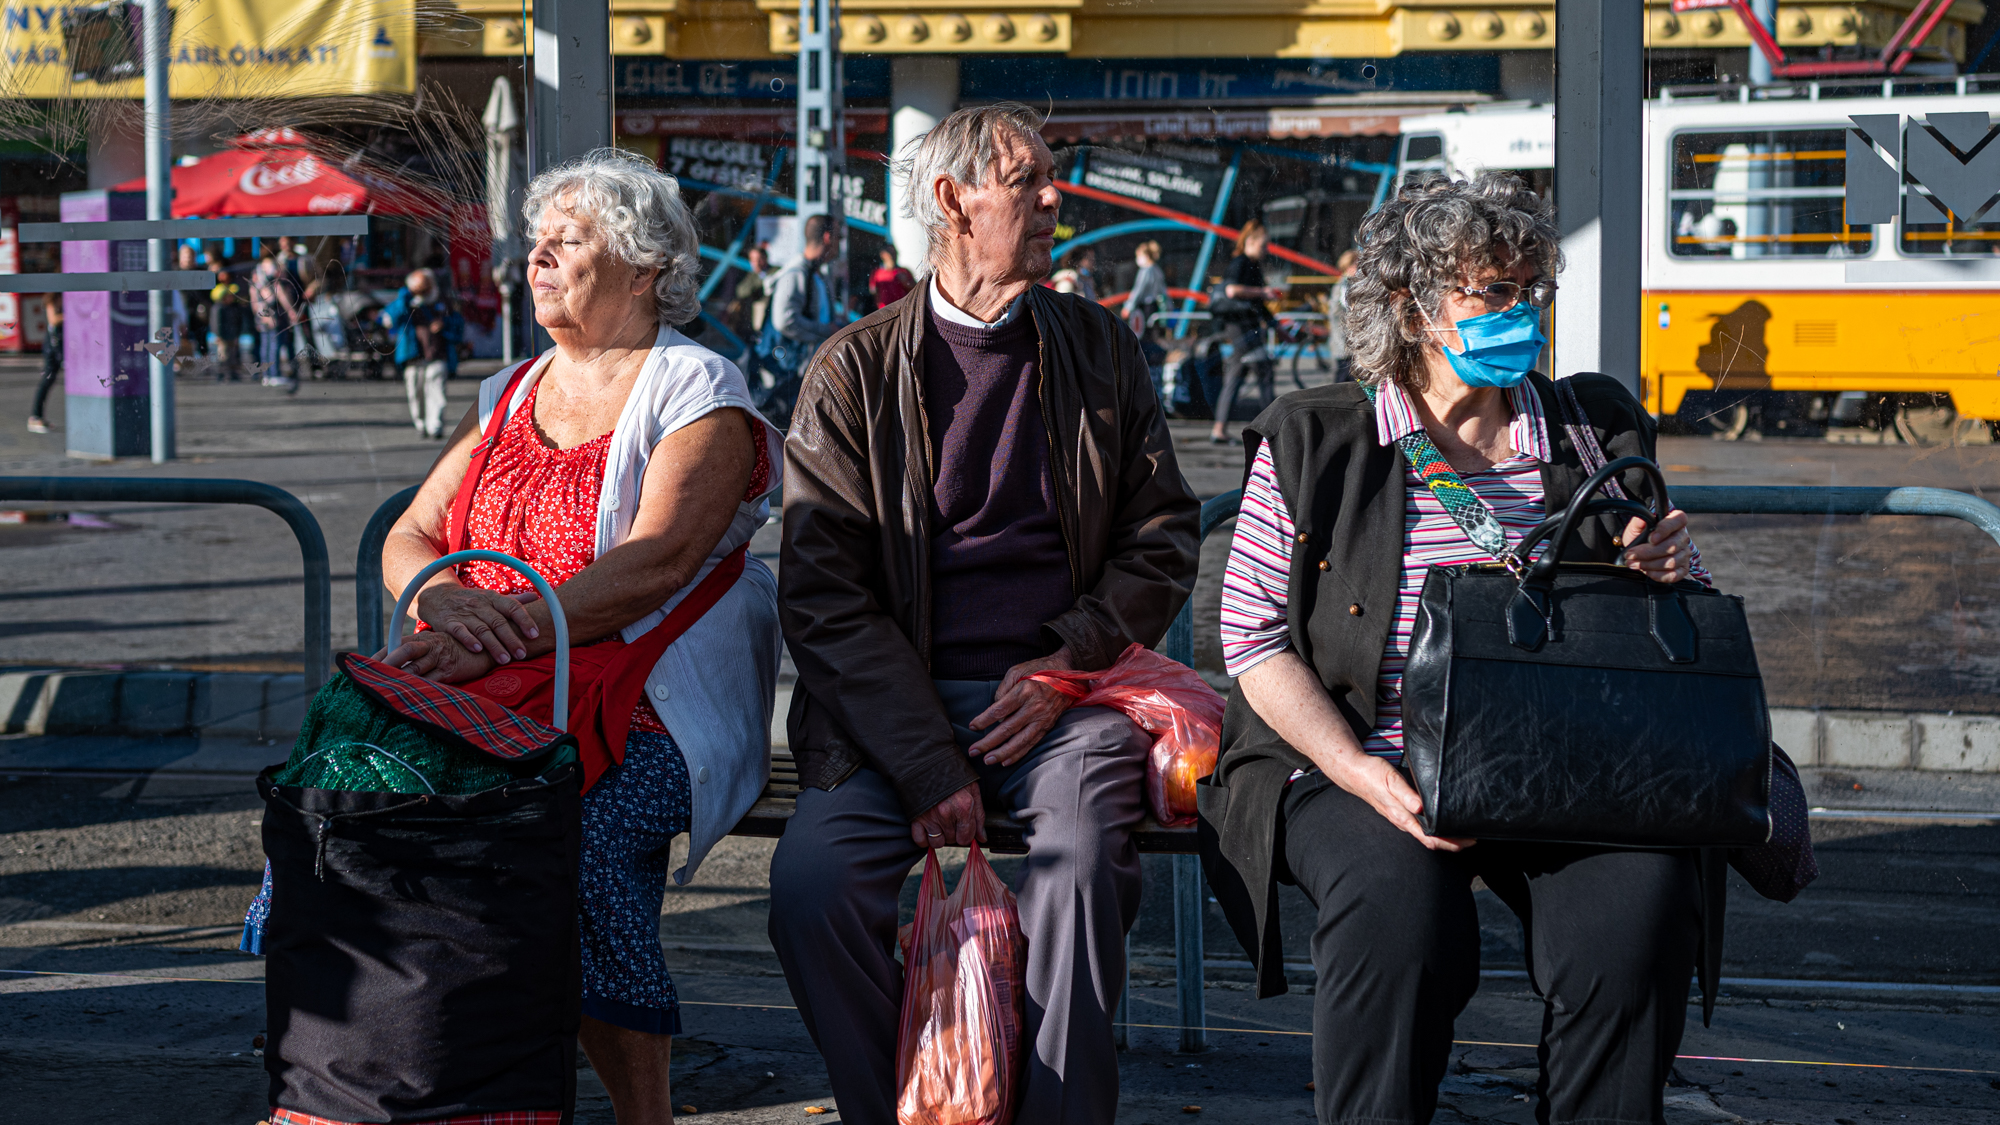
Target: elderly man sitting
[(980, 486)]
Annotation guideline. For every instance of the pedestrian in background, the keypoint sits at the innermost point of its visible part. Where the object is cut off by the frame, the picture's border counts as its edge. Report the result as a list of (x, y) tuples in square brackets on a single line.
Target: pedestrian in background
[(1242, 315), (427, 331), (52, 362), (1084, 262), (302, 282), (1336, 318), (274, 305), (229, 322), (801, 301), (747, 309), (191, 306), (890, 282), (1149, 287)]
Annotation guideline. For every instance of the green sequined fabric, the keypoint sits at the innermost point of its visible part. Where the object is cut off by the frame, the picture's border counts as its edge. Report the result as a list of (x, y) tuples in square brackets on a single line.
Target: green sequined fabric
[(351, 742)]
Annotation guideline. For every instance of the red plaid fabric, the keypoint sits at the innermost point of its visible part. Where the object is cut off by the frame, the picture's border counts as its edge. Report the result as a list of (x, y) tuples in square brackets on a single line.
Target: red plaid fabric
[(504, 1117), (478, 720)]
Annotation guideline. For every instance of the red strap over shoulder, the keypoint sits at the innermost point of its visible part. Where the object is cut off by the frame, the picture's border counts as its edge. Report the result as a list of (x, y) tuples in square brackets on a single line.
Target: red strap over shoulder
[(461, 505)]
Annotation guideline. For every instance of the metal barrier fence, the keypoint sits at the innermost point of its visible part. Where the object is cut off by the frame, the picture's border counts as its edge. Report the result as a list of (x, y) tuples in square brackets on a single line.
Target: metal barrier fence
[(318, 634), (369, 626), (1190, 890)]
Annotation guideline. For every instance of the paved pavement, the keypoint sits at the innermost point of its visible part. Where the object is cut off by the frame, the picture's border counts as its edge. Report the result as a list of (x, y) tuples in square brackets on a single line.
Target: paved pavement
[(108, 885)]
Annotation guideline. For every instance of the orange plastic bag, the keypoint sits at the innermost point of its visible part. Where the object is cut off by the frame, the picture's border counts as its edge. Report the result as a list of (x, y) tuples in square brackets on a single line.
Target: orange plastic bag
[(958, 1050), (1165, 698)]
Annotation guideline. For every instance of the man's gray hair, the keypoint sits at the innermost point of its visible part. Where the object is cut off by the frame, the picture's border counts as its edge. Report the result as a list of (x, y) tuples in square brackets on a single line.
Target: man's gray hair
[(638, 210), (1414, 250), (964, 147)]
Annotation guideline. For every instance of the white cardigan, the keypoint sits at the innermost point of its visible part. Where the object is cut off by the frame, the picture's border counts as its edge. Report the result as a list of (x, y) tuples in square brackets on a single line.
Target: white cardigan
[(716, 686)]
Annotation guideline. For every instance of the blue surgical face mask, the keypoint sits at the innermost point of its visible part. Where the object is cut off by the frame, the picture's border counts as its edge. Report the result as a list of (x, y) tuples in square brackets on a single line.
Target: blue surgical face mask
[(1500, 347)]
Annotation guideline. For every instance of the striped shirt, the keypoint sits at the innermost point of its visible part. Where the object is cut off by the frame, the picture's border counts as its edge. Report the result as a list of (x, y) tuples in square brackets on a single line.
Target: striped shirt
[(1254, 585)]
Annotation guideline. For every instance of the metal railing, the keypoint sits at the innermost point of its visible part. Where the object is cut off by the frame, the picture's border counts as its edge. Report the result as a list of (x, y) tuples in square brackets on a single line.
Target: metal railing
[(369, 626), (318, 635)]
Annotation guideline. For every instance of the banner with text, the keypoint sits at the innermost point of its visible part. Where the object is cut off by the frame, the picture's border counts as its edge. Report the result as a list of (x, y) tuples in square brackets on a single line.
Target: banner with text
[(218, 49)]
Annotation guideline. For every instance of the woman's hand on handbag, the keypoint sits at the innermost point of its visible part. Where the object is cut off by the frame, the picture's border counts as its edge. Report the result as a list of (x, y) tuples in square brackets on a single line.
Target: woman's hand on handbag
[(435, 656), (1385, 789), (480, 620), (1667, 555)]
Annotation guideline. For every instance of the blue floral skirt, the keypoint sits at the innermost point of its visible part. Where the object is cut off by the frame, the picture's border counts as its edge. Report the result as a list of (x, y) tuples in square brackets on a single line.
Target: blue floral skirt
[(630, 818)]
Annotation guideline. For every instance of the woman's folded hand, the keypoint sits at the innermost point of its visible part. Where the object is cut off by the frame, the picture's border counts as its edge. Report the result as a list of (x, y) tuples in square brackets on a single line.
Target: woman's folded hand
[(435, 656), (480, 620)]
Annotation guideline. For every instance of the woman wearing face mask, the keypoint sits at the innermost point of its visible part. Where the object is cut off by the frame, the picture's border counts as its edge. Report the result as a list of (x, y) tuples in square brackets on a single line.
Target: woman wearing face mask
[(1444, 452)]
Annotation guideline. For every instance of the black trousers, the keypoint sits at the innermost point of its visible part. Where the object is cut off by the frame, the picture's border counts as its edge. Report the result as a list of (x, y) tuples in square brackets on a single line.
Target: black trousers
[(1610, 937), (52, 370)]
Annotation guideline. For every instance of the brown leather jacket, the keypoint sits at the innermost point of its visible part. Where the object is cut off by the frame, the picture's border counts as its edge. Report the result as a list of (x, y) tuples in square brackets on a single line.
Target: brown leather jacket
[(854, 588)]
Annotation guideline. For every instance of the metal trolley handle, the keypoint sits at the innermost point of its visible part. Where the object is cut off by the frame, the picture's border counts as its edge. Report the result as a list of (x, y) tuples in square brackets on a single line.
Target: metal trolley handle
[(542, 587)]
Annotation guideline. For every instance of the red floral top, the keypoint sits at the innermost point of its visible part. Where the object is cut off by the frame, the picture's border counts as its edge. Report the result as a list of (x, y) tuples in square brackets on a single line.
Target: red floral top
[(539, 504)]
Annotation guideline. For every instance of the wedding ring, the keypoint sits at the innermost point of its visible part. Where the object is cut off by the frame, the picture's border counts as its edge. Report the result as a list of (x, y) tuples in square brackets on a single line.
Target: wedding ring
[(933, 833)]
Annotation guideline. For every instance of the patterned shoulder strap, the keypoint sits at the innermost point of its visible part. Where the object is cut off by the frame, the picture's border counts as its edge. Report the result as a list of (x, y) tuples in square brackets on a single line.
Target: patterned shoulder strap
[(1462, 504), (1582, 438)]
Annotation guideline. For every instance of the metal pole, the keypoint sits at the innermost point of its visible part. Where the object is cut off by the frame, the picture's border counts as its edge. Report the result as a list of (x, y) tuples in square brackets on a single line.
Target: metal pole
[(822, 149), (1187, 953), (1766, 12), (368, 589), (572, 98), (1600, 125), (159, 205)]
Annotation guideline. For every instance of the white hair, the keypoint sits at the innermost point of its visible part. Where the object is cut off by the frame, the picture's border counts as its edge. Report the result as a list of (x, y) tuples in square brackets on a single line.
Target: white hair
[(638, 210), (963, 147)]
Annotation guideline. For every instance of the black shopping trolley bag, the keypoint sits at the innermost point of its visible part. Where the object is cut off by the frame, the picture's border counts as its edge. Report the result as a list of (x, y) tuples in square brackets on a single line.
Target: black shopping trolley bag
[(421, 938)]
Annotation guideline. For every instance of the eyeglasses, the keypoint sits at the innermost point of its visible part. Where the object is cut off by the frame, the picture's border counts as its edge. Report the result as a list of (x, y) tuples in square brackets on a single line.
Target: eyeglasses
[(1503, 295)]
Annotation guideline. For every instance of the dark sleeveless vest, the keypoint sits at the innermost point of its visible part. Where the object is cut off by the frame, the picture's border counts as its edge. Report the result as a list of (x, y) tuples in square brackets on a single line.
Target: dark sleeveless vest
[(1346, 493)]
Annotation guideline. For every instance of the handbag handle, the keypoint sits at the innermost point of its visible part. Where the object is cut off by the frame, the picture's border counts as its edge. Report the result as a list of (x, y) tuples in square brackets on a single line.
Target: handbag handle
[(1585, 503), (542, 587)]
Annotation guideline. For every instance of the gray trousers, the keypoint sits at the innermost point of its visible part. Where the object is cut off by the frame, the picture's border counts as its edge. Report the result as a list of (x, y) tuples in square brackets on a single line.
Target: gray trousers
[(840, 867)]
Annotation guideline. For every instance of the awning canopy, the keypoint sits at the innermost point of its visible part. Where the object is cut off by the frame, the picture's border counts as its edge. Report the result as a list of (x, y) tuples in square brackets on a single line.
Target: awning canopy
[(261, 176)]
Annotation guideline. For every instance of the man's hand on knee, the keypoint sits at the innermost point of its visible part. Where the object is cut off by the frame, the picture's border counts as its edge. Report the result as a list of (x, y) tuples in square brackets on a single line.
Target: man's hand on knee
[(1022, 712), (957, 821)]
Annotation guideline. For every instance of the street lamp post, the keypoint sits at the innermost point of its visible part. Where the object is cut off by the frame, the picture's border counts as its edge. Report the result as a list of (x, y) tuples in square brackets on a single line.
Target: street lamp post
[(159, 206)]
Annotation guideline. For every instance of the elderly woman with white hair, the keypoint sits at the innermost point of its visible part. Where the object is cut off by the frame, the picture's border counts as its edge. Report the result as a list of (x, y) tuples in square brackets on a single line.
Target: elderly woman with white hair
[(627, 465)]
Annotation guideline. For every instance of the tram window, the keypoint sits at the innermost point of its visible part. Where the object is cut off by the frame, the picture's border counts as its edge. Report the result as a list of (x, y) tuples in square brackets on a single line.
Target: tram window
[(1928, 229), (1772, 193)]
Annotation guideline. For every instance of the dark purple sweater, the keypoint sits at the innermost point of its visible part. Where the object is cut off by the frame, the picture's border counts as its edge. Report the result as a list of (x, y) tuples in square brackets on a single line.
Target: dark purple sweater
[(999, 567)]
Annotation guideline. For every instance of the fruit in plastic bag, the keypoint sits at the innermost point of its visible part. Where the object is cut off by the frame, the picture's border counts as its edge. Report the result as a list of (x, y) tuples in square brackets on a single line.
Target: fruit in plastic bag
[(1169, 700), (958, 1049)]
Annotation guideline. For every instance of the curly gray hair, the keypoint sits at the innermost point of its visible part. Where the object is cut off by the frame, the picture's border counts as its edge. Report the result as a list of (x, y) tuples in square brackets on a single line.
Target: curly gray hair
[(1433, 236), (638, 210), (964, 146)]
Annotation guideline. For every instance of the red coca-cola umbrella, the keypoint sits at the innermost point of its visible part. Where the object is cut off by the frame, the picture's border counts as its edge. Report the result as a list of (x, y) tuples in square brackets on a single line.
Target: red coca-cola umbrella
[(269, 173)]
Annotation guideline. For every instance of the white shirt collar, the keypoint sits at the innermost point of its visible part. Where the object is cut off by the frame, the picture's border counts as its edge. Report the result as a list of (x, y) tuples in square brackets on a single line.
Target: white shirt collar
[(956, 315)]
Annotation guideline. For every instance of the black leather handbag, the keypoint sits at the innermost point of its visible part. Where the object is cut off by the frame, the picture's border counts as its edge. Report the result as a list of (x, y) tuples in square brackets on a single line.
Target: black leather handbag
[(1584, 702)]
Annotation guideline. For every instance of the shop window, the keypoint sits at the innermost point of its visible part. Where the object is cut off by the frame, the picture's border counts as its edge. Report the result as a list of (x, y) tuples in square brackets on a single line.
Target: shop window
[(1772, 193)]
